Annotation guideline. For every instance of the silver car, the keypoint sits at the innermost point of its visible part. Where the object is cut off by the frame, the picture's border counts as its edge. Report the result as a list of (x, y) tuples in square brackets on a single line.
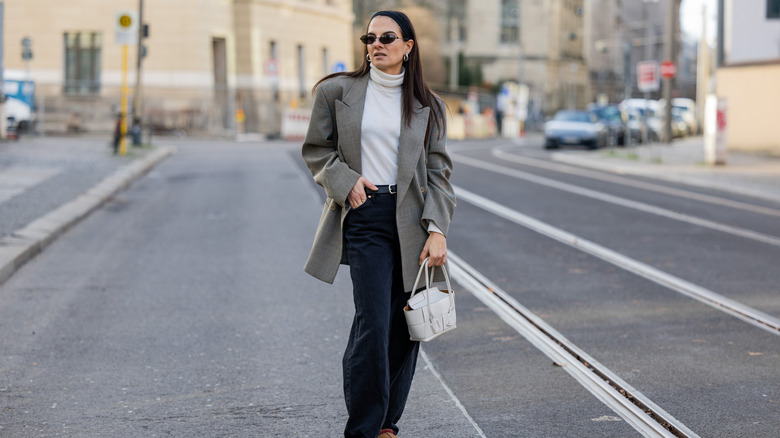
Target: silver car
[(570, 127)]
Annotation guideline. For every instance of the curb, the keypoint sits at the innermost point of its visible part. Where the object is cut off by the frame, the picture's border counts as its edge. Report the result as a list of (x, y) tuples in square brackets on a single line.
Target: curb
[(705, 183), (25, 243)]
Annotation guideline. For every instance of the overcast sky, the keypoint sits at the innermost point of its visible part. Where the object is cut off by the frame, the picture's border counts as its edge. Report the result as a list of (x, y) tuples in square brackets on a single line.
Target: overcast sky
[(690, 17)]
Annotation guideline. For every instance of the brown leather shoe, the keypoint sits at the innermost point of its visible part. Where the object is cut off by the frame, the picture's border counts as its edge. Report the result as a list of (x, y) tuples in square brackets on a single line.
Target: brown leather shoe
[(386, 433)]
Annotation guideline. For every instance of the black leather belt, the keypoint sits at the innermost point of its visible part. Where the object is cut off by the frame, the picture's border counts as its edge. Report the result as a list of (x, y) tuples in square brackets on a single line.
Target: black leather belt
[(383, 190)]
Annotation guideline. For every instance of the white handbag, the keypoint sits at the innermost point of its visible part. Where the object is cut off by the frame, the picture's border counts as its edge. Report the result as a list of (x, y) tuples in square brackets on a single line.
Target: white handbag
[(430, 312)]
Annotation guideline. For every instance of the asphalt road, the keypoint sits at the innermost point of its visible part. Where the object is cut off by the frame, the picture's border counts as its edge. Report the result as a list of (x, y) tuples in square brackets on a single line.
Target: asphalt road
[(180, 309)]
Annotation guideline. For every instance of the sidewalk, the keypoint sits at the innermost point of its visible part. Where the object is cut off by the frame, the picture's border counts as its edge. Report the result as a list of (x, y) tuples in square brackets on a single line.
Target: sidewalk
[(49, 184), (683, 161)]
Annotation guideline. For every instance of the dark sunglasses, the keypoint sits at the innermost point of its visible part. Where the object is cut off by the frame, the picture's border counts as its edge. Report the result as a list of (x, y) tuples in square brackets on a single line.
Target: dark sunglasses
[(387, 38)]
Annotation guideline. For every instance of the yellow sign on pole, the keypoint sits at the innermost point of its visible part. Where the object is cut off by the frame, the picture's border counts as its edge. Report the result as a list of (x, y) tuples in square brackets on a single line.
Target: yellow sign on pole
[(126, 30), (126, 27)]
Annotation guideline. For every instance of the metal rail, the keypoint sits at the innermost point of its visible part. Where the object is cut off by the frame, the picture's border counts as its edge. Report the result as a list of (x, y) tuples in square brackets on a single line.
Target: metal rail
[(684, 287), (633, 406)]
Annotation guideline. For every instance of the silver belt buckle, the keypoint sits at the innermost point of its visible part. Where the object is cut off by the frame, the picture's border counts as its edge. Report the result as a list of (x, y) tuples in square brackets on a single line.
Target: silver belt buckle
[(390, 189)]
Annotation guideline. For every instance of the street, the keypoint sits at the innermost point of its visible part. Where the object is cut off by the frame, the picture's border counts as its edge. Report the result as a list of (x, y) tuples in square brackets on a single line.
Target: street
[(180, 308)]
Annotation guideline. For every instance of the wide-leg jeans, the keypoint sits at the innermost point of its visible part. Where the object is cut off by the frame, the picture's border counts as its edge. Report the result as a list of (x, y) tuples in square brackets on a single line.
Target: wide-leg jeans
[(380, 359)]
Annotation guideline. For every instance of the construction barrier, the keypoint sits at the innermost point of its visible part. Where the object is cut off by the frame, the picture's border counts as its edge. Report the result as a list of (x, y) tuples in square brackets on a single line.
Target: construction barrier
[(460, 127), (295, 123)]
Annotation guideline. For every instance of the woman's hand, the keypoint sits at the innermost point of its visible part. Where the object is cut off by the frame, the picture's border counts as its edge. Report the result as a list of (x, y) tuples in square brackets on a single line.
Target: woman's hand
[(357, 196), (435, 249)]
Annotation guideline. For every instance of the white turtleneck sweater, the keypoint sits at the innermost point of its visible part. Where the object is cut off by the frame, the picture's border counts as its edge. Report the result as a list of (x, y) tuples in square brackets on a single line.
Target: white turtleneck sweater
[(381, 127), (381, 130)]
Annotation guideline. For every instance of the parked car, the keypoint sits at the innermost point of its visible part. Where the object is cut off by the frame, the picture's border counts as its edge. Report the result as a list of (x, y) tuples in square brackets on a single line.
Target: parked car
[(613, 118), (680, 127), (570, 127), (635, 120), (687, 110)]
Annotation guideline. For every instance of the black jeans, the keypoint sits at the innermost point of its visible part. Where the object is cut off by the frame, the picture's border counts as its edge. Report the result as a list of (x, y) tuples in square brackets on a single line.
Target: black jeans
[(380, 360)]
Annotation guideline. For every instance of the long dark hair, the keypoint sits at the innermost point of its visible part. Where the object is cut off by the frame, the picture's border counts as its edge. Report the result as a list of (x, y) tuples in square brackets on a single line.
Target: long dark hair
[(414, 85)]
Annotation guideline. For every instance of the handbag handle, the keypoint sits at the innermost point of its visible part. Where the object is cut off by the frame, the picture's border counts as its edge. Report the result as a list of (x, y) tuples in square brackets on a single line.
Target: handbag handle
[(429, 285)]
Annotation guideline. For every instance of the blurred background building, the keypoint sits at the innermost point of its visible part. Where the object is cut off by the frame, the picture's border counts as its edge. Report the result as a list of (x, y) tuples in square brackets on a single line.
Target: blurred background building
[(224, 67), (211, 65), (621, 33), (748, 76)]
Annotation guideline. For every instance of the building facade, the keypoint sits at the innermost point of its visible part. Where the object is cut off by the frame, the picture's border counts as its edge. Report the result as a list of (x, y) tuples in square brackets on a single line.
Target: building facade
[(538, 43), (210, 65), (749, 77), (621, 33)]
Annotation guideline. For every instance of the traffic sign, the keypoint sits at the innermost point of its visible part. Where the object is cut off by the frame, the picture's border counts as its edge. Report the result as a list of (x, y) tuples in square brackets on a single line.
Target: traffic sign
[(647, 76), (339, 67), (126, 27), (271, 67), (668, 69), (27, 53)]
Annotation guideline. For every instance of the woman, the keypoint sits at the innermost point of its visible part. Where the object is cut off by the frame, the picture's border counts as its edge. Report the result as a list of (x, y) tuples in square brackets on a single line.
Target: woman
[(376, 144)]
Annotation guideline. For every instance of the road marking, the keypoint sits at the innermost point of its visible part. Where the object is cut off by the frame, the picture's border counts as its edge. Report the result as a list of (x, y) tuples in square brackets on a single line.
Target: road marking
[(452, 395), (563, 168), (623, 202), (691, 290), (633, 406)]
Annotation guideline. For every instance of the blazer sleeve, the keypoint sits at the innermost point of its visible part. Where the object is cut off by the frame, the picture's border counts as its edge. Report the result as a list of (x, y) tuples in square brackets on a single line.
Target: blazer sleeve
[(440, 199), (320, 150)]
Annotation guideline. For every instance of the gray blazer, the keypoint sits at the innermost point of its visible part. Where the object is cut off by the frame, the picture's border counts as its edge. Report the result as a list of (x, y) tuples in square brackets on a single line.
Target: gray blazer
[(332, 153)]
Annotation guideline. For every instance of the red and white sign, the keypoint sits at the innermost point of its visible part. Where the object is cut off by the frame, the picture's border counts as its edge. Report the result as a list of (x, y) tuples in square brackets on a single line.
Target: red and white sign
[(668, 69), (647, 76)]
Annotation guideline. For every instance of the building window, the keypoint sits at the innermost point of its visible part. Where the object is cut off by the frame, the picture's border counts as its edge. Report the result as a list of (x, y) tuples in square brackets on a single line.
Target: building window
[(82, 62), (457, 13), (325, 62), (510, 21), (772, 8)]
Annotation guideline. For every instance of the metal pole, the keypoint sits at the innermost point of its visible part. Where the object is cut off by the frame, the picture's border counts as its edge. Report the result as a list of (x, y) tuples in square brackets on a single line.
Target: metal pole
[(669, 56), (721, 33), (454, 42), (139, 57), (645, 126), (702, 71), (123, 107), (627, 140), (2, 73)]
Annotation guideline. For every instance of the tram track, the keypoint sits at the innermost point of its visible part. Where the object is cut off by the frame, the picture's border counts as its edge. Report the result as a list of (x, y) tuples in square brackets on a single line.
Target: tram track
[(502, 154), (724, 304), (635, 408), (623, 202)]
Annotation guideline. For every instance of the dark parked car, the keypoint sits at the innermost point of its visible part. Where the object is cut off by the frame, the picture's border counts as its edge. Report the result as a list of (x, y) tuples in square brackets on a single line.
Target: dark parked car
[(570, 127), (613, 118)]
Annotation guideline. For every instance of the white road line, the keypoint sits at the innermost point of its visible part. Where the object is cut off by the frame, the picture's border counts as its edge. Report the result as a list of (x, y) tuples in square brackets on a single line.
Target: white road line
[(452, 395), (572, 170), (623, 202), (550, 342), (691, 290)]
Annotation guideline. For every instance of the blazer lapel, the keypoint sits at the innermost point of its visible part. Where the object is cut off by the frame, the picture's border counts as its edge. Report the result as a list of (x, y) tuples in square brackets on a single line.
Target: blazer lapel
[(349, 118), (411, 146)]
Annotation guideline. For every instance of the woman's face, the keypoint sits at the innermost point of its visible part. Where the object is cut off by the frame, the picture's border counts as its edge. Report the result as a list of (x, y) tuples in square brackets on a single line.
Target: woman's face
[(387, 57)]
